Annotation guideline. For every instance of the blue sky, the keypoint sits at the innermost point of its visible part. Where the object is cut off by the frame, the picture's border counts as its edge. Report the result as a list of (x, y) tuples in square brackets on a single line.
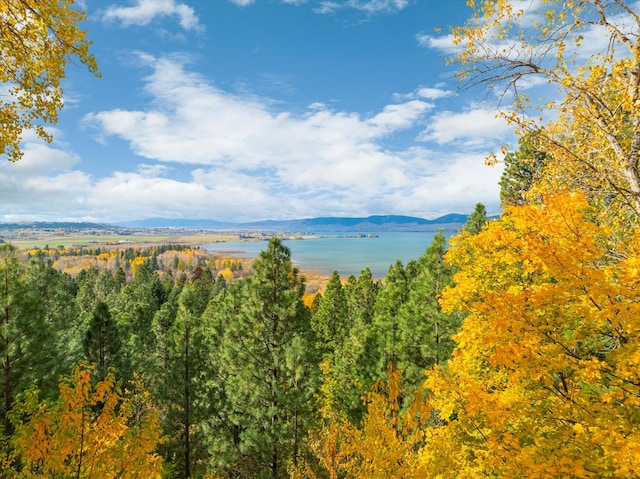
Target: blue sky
[(241, 110)]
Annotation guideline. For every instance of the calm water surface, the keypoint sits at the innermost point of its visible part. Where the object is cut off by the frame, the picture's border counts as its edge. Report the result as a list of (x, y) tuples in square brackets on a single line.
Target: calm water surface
[(341, 252)]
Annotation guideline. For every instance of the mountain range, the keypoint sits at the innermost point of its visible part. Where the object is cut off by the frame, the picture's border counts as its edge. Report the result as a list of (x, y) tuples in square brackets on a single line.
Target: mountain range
[(313, 225), (372, 224)]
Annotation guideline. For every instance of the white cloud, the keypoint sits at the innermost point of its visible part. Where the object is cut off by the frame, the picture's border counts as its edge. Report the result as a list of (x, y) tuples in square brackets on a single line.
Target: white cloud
[(367, 6), (242, 3), (144, 12), (42, 181), (475, 128), (196, 123), (455, 183), (442, 43), (200, 151), (433, 93)]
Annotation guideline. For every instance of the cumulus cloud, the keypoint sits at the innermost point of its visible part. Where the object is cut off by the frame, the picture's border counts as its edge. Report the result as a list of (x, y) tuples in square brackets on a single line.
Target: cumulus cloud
[(205, 152), (367, 6), (196, 123), (242, 3), (475, 128), (143, 12), (44, 181)]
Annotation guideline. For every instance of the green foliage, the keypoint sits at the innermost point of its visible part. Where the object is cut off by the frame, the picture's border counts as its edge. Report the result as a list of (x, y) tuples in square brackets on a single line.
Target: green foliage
[(233, 368), (102, 344), (476, 220), (385, 325), (329, 322), (425, 331), (521, 169), (34, 306), (270, 374)]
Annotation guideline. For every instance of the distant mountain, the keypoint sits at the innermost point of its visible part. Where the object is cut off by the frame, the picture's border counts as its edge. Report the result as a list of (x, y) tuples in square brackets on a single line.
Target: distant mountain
[(54, 225), (375, 223), (372, 224), (175, 223)]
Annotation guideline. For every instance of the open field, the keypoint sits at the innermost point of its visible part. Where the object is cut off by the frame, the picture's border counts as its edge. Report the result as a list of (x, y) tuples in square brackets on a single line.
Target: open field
[(33, 239), (40, 240)]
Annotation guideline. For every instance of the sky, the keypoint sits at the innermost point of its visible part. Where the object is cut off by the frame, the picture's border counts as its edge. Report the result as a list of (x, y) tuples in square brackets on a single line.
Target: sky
[(248, 110)]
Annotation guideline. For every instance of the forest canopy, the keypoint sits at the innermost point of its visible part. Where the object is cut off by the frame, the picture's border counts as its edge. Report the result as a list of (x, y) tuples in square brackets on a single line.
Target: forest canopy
[(514, 351)]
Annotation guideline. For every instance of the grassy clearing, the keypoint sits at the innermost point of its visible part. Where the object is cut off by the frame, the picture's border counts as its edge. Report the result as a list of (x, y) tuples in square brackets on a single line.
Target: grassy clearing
[(69, 241)]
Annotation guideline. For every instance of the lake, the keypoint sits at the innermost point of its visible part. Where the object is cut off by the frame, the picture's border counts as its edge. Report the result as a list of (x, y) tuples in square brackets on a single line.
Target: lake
[(342, 252)]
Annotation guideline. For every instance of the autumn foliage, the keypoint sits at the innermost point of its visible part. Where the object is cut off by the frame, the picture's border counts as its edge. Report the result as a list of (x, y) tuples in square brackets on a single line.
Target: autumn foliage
[(91, 431), (545, 380)]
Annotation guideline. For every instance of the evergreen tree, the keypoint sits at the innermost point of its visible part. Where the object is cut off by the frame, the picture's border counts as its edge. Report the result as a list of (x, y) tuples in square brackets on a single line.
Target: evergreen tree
[(162, 322), (361, 296), (476, 220), (55, 295), (223, 422), (521, 169), (329, 322), (266, 350), (352, 366), (185, 376), (425, 331), (134, 308), (385, 326), (24, 332), (102, 345)]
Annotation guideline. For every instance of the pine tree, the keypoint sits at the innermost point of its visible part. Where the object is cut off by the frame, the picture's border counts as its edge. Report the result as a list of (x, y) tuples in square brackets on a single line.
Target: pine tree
[(476, 220), (521, 169), (134, 308), (385, 326), (266, 350), (181, 379), (102, 345), (425, 331), (62, 323), (24, 331), (351, 367), (329, 322)]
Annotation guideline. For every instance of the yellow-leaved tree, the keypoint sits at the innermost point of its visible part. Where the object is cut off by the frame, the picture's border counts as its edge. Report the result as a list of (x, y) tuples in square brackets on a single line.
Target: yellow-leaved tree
[(91, 431), (384, 446), (545, 380), (590, 51), (38, 39)]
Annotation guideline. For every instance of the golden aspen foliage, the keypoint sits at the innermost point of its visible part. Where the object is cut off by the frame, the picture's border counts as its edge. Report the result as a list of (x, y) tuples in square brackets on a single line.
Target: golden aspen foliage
[(136, 263), (590, 51), (385, 446), (227, 274), (91, 431), (545, 379), (38, 39), (310, 298)]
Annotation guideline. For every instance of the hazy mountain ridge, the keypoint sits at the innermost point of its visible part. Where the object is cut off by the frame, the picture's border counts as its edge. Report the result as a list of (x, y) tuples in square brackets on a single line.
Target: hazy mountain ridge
[(375, 223), (320, 224)]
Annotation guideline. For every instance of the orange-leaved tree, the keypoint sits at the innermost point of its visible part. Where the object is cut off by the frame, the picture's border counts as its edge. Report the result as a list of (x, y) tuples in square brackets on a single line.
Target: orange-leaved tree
[(545, 380), (91, 431)]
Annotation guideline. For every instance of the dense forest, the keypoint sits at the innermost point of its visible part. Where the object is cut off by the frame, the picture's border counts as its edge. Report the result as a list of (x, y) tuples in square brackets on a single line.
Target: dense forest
[(234, 367), (514, 351)]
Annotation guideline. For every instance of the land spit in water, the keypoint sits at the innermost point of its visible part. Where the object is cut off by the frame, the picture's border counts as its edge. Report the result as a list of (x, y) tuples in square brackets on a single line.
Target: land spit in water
[(30, 238)]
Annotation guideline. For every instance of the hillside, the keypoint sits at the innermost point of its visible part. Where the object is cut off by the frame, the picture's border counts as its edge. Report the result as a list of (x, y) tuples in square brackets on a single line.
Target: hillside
[(313, 225)]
